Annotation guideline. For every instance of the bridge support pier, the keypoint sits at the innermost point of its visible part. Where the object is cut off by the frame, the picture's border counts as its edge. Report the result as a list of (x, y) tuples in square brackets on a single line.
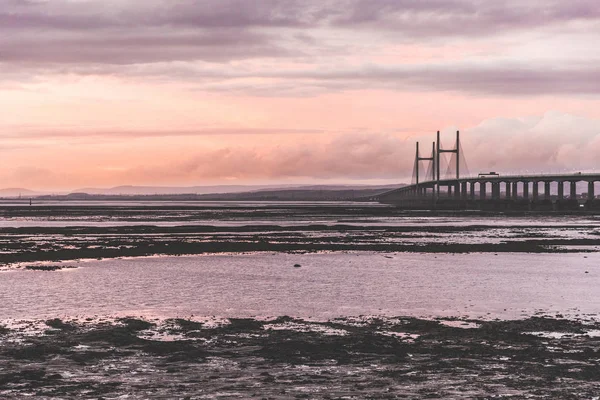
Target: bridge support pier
[(536, 189), (547, 190), (573, 194), (472, 190), (591, 195), (482, 190), (507, 189), (561, 190), (515, 192), (526, 190), (495, 191), (463, 190)]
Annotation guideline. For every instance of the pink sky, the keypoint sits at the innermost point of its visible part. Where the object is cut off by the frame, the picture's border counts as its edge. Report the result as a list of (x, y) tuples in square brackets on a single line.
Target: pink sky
[(114, 92)]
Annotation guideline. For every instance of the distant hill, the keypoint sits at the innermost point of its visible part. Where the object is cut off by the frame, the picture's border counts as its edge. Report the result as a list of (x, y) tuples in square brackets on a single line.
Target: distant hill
[(158, 190), (16, 192), (310, 193), (217, 189), (303, 194), (215, 193)]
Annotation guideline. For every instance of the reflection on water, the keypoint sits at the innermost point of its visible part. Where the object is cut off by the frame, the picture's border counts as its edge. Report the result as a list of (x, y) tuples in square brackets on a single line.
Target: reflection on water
[(326, 285)]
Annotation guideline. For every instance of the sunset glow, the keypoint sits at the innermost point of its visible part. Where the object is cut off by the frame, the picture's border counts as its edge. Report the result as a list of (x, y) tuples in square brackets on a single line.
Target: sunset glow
[(107, 93)]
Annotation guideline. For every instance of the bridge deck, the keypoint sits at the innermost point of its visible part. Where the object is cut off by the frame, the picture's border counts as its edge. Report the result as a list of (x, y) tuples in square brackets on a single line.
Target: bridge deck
[(463, 189), (578, 177)]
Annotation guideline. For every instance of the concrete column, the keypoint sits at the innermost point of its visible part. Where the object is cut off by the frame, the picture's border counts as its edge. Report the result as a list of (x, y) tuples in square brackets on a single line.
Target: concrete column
[(536, 190), (481, 190), (463, 190), (457, 192), (561, 190), (507, 189), (547, 190), (472, 190), (515, 192), (526, 189), (573, 193), (449, 190), (591, 194), (495, 190)]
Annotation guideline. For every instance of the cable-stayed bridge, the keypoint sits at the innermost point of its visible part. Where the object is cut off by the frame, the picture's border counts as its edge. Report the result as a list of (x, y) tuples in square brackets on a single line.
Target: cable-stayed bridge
[(456, 188)]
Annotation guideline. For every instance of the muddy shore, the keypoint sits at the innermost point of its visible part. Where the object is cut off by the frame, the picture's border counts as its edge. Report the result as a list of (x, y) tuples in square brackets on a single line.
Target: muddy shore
[(49, 243), (378, 358), (542, 356)]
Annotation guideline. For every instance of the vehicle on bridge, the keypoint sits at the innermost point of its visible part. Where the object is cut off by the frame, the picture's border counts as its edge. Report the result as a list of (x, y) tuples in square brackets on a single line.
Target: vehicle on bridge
[(484, 174)]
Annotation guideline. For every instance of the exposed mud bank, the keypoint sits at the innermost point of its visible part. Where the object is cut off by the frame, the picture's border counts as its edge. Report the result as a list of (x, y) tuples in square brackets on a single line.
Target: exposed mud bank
[(24, 245), (379, 358)]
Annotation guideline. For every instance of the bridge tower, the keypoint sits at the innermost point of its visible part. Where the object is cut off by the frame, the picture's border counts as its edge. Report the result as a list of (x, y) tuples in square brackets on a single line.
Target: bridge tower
[(419, 158), (456, 151)]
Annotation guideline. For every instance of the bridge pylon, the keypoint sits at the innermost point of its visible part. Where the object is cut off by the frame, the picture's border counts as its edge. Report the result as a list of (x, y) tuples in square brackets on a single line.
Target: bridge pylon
[(416, 172), (439, 151)]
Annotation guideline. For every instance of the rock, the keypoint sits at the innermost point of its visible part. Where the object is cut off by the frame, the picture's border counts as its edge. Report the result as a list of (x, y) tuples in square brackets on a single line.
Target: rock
[(48, 267)]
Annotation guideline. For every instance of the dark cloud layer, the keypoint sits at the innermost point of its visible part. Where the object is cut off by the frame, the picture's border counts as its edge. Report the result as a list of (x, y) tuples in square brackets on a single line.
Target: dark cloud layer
[(118, 36), (432, 18), (130, 31), (501, 79)]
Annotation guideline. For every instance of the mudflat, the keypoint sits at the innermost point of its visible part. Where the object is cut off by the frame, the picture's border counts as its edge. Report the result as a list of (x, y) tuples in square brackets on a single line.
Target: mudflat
[(380, 358), (58, 233), (541, 354)]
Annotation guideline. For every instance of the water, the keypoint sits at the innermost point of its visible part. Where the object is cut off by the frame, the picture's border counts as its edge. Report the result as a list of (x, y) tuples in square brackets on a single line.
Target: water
[(326, 286)]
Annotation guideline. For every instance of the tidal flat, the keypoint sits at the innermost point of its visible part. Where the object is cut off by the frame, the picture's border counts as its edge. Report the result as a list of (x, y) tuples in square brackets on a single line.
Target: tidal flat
[(296, 300), (281, 358), (69, 232)]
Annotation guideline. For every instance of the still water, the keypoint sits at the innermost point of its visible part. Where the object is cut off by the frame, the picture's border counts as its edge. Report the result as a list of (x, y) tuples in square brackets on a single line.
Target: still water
[(326, 285)]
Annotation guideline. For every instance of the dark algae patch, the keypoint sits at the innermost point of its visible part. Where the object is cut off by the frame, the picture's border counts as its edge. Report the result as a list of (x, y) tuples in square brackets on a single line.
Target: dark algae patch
[(355, 358), (30, 245)]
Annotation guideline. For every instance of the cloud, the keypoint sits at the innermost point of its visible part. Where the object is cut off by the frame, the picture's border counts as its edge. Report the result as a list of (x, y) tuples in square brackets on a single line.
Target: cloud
[(554, 142), (350, 156), (474, 78), (30, 133), (456, 18), (130, 31), (295, 48)]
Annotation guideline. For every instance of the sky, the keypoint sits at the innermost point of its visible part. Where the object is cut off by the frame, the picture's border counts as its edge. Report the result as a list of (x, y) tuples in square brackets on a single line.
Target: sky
[(202, 92)]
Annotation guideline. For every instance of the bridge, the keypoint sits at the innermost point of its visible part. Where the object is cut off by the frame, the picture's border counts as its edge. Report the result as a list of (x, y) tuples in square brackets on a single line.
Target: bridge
[(489, 191)]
